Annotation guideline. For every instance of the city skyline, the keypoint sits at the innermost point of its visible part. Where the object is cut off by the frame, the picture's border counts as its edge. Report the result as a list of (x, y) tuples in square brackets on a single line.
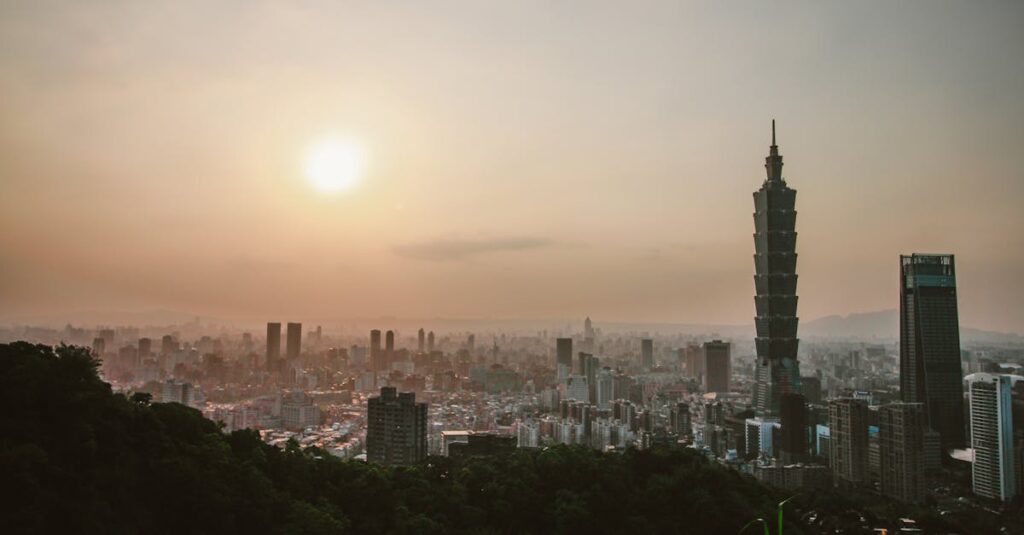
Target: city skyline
[(544, 196), (474, 267)]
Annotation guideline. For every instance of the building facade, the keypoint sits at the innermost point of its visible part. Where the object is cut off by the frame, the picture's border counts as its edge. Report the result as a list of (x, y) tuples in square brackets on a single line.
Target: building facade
[(901, 437), (646, 353), (273, 343), (993, 473), (294, 343), (563, 357), (717, 366), (396, 428), (848, 440), (930, 370)]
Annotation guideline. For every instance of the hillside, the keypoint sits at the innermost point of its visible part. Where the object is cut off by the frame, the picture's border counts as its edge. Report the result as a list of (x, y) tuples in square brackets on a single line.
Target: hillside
[(78, 458)]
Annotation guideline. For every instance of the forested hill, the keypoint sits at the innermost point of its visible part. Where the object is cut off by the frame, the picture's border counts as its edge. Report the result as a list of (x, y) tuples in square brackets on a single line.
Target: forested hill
[(77, 458)]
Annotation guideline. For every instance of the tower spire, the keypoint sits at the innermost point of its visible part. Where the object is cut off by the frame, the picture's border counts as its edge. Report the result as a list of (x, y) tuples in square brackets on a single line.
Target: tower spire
[(773, 163)]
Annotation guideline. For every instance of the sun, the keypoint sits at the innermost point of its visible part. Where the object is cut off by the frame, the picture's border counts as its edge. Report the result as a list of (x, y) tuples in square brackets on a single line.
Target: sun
[(334, 165)]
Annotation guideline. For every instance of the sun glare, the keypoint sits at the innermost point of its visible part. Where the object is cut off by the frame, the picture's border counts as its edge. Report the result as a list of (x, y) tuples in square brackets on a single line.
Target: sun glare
[(334, 165)]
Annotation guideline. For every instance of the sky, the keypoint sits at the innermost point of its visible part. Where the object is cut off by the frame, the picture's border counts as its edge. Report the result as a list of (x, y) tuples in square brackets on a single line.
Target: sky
[(549, 159)]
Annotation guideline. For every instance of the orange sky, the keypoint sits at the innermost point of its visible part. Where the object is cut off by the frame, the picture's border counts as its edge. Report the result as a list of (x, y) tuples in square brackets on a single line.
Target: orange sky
[(524, 159)]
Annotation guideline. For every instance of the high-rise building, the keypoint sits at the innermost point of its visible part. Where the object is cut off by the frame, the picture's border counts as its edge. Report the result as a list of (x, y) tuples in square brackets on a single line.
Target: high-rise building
[(420, 340), (901, 429), (298, 411), (1017, 408), (993, 473), (714, 416), (430, 342), (930, 371), (588, 335), (605, 388), (294, 342), (695, 362), (273, 344), (588, 367), (793, 419), (169, 345), (647, 353), (376, 354), (717, 366), (563, 357), (777, 371), (680, 420), (396, 431), (108, 338), (389, 349), (760, 437), (145, 347), (848, 440)]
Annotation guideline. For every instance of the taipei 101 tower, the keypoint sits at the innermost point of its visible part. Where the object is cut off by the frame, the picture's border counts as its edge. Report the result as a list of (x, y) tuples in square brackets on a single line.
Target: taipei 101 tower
[(777, 371)]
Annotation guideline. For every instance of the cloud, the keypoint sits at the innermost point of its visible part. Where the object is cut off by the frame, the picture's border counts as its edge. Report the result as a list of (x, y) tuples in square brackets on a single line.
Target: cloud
[(455, 249)]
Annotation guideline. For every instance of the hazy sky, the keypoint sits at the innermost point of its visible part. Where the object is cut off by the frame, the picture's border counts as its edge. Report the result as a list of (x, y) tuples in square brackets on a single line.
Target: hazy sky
[(525, 159)]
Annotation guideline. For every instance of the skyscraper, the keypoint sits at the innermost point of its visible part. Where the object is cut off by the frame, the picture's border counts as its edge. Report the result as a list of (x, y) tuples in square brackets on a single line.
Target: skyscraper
[(901, 429), (430, 342), (389, 349), (145, 347), (993, 474), (930, 370), (375, 351), (680, 421), (848, 442), (588, 367), (563, 357), (717, 366), (396, 431), (273, 344), (695, 362), (777, 370), (605, 388), (420, 340), (647, 353), (169, 345), (588, 335), (294, 342)]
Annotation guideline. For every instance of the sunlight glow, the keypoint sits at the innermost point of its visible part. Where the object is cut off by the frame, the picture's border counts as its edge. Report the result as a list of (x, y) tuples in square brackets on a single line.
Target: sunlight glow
[(334, 165)]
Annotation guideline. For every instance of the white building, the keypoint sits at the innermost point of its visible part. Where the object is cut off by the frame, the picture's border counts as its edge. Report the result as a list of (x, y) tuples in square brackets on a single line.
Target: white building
[(178, 392), (759, 435), (298, 411), (528, 433), (992, 472), (576, 388)]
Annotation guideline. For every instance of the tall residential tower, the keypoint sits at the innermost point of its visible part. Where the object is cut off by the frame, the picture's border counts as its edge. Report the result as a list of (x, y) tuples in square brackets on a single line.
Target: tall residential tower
[(777, 371)]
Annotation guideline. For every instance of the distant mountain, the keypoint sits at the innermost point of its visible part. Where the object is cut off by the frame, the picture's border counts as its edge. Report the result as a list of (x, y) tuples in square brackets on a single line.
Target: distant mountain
[(880, 324), (885, 324)]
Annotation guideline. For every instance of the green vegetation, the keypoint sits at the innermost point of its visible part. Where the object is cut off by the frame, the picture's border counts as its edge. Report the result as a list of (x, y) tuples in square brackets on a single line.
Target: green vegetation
[(78, 458)]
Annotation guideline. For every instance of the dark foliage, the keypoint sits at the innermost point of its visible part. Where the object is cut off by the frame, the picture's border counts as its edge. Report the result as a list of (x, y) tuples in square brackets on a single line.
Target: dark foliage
[(77, 458)]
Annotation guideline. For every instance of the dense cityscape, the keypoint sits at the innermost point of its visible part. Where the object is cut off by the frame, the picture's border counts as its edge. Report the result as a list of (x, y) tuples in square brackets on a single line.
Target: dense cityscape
[(925, 419)]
